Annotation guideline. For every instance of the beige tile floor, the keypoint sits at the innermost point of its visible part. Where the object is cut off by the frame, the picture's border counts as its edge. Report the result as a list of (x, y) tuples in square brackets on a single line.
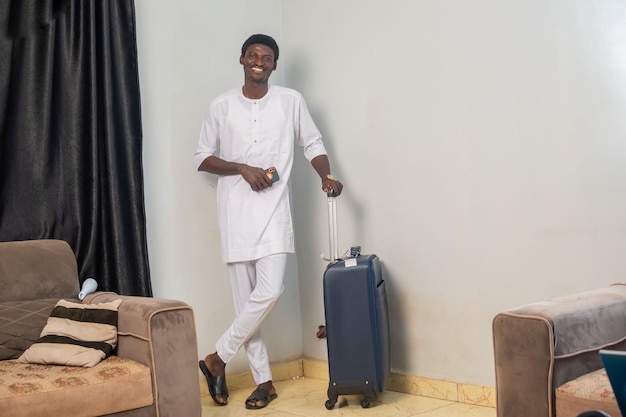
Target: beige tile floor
[(305, 397)]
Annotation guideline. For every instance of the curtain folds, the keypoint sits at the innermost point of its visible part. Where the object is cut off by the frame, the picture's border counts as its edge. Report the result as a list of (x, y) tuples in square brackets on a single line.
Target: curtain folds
[(70, 135)]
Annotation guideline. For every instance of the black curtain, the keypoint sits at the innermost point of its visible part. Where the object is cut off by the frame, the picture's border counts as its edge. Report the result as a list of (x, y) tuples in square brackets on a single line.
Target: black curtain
[(70, 135)]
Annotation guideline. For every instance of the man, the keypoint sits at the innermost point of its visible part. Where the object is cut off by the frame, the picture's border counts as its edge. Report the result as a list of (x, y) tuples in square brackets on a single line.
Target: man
[(246, 132)]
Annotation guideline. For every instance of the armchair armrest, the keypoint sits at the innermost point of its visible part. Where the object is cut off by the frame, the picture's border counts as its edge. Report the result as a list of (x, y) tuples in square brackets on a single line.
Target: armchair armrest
[(540, 346), (161, 334)]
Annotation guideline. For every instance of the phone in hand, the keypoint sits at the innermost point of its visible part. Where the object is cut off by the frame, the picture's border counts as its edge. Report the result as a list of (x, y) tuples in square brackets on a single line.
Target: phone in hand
[(272, 174)]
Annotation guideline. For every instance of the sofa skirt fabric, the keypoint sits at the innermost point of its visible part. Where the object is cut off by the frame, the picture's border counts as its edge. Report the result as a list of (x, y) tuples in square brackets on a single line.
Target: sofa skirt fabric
[(591, 391), (115, 384)]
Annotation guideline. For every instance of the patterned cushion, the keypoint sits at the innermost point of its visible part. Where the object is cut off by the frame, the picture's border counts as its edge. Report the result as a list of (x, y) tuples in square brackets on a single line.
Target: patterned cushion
[(591, 391), (115, 384), (76, 334), (21, 323)]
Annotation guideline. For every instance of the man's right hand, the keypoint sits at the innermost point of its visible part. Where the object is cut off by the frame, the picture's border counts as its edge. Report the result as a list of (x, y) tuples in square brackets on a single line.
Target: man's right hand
[(256, 177)]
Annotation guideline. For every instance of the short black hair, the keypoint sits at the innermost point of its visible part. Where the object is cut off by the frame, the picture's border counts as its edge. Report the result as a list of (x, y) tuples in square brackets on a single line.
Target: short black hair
[(263, 40)]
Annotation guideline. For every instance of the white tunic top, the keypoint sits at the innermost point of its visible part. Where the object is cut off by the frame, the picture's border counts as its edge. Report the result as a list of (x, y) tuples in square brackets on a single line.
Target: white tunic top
[(258, 133)]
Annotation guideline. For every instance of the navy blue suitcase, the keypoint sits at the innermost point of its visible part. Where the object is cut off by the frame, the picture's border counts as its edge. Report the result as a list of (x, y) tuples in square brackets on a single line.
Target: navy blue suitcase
[(357, 323)]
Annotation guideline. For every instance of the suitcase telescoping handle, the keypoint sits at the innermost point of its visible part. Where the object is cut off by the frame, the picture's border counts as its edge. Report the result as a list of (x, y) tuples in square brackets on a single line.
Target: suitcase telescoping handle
[(332, 225)]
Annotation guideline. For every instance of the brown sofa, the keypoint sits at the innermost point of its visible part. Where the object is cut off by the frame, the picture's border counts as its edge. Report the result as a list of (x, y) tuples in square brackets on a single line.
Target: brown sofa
[(153, 371), (546, 354)]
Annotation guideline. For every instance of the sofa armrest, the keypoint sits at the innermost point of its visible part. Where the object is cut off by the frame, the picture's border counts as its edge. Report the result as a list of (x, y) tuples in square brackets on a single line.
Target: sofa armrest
[(540, 346), (161, 334)]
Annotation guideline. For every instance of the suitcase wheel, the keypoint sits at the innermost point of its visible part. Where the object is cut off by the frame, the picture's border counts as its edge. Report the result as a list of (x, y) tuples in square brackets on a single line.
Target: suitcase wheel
[(365, 403), (330, 404)]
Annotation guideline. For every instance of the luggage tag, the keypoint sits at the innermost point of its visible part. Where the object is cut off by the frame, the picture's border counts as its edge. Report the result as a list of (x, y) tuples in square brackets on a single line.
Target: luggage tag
[(350, 262)]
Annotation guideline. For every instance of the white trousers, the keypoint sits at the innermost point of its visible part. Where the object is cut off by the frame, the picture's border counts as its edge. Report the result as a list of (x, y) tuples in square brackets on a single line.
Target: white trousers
[(256, 287)]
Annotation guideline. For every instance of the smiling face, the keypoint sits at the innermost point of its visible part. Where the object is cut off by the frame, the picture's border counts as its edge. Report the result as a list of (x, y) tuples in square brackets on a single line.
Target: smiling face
[(258, 63)]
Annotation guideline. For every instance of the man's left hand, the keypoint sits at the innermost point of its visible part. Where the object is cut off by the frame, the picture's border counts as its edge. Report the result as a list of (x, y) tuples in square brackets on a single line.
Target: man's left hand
[(332, 183)]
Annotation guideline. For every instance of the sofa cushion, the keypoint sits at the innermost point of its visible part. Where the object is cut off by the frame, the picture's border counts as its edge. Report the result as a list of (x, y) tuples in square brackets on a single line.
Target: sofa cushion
[(76, 334), (115, 384), (21, 323), (36, 269), (591, 391)]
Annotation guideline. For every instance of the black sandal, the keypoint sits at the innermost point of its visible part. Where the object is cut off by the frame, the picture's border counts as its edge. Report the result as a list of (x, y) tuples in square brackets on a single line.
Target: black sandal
[(217, 384), (259, 394)]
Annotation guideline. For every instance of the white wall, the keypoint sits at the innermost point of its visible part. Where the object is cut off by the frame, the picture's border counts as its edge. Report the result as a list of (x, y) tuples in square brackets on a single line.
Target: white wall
[(481, 145)]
